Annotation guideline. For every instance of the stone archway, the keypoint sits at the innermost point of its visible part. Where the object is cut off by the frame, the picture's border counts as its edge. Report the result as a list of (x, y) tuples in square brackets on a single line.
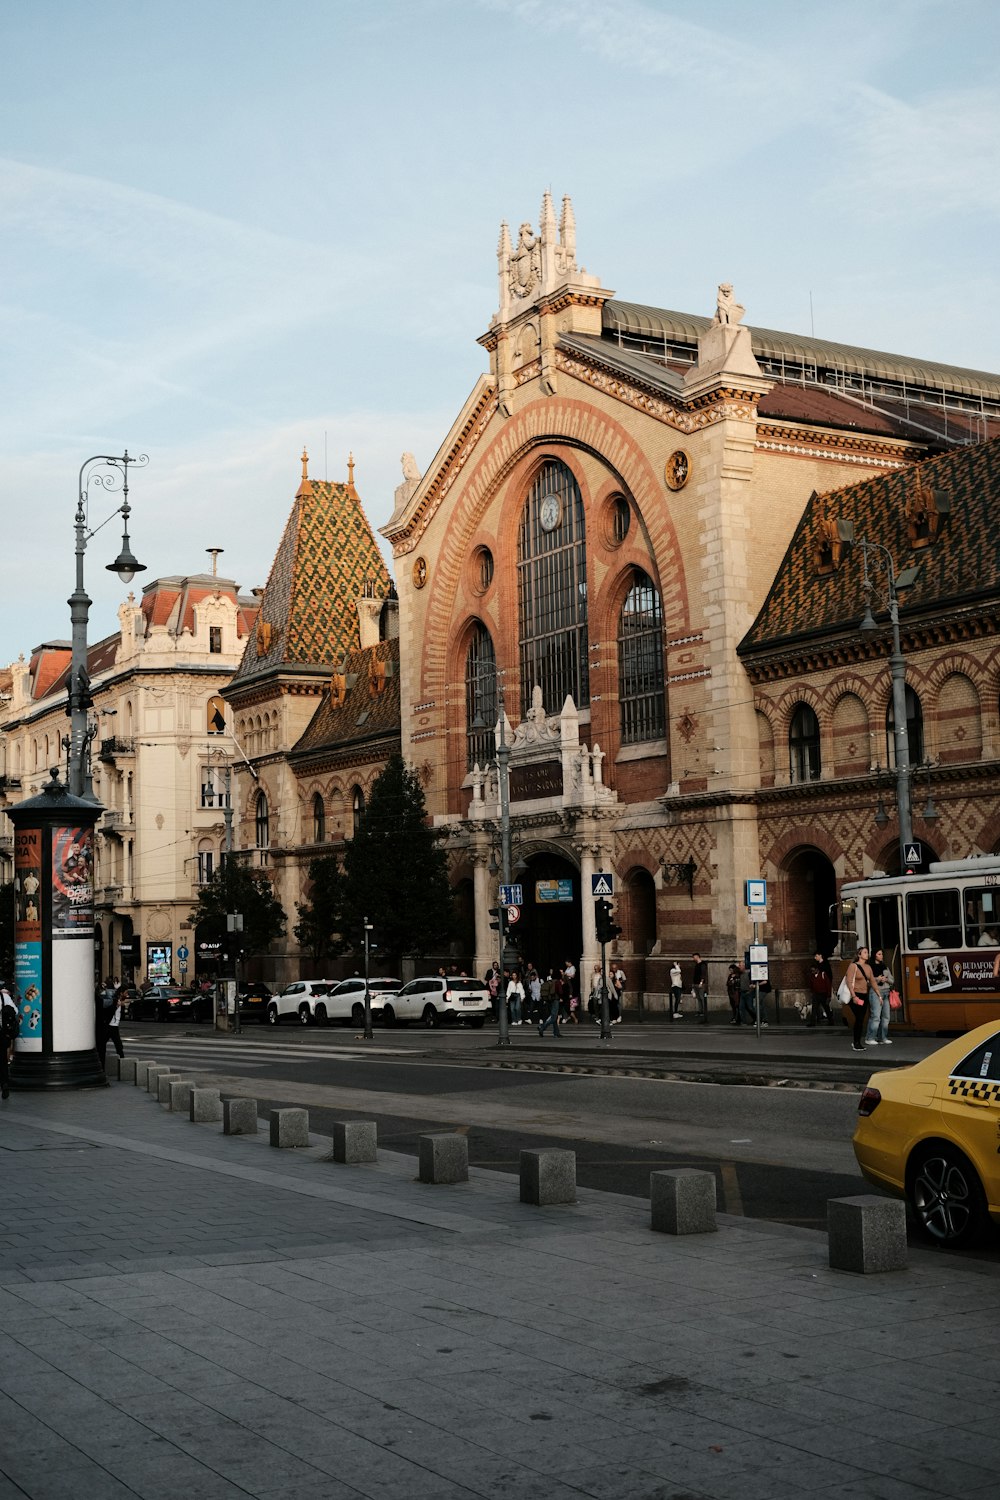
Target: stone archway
[(549, 932), (808, 889)]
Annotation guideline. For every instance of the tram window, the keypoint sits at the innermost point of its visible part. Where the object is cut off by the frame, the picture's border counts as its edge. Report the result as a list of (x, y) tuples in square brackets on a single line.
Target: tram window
[(933, 919), (982, 922), (983, 1062)]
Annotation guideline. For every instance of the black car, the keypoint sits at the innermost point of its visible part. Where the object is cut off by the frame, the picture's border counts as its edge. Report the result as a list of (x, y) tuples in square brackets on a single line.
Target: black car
[(253, 1002), (167, 1002)]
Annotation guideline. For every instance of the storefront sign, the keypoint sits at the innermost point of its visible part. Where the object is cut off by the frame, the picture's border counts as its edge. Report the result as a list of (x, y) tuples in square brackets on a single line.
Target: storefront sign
[(540, 778)]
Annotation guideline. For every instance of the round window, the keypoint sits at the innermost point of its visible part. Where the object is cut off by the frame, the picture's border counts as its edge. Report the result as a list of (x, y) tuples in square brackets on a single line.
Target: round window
[(481, 570)]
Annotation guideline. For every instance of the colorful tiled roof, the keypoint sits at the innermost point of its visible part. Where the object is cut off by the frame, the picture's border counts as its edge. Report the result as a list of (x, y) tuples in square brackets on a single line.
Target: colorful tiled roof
[(363, 702), (958, 569), (327, 558)]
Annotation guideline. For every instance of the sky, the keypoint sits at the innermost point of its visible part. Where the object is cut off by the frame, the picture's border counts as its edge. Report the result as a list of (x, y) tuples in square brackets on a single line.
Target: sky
[(230, 230)]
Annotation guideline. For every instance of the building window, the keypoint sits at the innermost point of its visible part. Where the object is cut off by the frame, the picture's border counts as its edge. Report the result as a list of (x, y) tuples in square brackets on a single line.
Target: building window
[(640, 662), (914, 730), (262, 822), (552, 591), (216, 716), (319, 820), (480, 699), (357, 809), (215, 640), (206, 865), (803, 745), (214, 789)]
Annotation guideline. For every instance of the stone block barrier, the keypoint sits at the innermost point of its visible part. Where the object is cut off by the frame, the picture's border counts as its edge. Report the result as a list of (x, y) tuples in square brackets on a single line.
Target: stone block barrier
[(289, 1128), (239, 1117), (205, 1106), (158, 1071), (111, 1066), (179, 1094), (126, 1069), (548, 1177), (866, 1234), (444, 1158), (163, 1083), (682, 1201), (355, 1142), (142, 1068)]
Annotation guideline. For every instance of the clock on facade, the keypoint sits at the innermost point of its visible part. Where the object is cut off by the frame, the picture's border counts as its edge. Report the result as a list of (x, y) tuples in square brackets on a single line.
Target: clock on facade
[(550, 512)]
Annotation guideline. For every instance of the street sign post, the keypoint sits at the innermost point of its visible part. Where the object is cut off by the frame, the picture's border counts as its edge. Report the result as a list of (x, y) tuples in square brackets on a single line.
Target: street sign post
[(602, 883), (513, 914), (511, 895)]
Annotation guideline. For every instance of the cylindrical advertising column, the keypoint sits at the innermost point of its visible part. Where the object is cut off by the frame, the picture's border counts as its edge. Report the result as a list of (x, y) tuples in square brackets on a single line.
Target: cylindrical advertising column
[(54, 940)]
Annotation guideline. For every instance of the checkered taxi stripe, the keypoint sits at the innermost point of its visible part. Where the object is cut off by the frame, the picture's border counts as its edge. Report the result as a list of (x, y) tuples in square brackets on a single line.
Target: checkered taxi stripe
[(975, 1088)]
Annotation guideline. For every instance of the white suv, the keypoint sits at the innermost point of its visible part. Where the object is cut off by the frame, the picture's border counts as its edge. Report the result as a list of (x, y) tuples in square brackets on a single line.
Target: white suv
[(437, 999), (346, 1000), (305, 999)]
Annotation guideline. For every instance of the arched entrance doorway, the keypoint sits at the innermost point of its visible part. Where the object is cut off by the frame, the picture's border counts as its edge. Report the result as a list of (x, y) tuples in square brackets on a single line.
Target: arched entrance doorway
[(889, 860), (809, 888), (549, 930)]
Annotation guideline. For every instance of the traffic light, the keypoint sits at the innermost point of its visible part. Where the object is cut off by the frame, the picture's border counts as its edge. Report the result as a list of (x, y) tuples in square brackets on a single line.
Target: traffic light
[(495, 918), (607, 930)]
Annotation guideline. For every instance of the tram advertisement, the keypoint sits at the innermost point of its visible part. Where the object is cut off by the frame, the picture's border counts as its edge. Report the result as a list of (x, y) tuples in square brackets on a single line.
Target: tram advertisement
[(957, 973), (72, 882)]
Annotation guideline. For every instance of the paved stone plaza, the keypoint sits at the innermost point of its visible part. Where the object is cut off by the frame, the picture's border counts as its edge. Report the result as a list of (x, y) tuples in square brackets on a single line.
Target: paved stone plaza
[(183, 1312)]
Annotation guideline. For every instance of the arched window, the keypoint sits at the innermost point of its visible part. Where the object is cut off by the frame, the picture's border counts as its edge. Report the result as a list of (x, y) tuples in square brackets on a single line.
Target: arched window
[(216, 716), (480, 698), (357, 809), (319, 820), (640, 662), (552, 591), (803, 745), (262, 822), (914, 730)]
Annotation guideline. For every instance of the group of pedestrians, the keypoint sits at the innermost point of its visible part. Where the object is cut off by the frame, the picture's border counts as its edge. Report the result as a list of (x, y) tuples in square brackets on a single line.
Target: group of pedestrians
[(554, 999), (869, 984)]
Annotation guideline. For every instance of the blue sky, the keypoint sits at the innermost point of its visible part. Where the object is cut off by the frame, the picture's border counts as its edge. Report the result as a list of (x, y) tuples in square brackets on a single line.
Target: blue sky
[(230, 229)]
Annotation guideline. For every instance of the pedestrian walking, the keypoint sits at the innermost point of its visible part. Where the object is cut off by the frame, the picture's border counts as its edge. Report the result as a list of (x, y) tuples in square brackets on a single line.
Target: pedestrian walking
[(733, 993), (596, 991), (535, 994), (113, 1035), (676, 990), (879, 1010), (551, 999), (748, 998), (618, 984), (515, 997), (860, 981), (699, 988), (819, 978), (10, 1026)]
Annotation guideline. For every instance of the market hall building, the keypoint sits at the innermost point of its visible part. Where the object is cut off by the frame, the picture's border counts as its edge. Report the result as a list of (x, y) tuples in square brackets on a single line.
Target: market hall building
[(597, 535)]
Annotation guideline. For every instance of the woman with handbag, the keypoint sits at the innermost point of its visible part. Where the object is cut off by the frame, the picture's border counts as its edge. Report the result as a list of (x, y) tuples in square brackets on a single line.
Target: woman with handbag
[(860, 980), (878, 1001)]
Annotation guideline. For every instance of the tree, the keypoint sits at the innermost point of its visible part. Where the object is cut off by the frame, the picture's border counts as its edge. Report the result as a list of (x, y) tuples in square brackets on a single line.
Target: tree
[(235, 888), (321, 917), (396, 872)]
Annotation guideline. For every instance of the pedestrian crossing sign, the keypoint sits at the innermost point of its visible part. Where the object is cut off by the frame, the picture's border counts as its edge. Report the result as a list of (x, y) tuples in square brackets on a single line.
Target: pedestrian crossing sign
[(602, 883)]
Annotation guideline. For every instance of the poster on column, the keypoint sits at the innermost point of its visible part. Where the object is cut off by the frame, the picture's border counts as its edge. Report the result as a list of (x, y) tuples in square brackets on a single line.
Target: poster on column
[(28, 980), (28, 936), (72, 882)]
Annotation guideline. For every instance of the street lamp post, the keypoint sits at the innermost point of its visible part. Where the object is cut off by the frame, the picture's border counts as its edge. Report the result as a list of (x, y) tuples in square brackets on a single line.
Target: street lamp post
[(126, 566), (369, 1033), (897, 666)]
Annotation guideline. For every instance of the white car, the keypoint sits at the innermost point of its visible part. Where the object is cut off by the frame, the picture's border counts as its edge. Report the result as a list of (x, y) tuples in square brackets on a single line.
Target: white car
[(346, 1000), (305, 999), (439, 998)]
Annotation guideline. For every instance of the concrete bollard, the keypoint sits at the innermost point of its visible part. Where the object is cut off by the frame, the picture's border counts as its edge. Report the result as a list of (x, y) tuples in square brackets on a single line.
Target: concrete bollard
[(355, 1141), (163, 1083), (866, 1234), (205, 1106), (179, 1094), (289, 1128), (156, 1072), (682, 1201), (444, 1158), (142, 1068), (111, 1065), (548, 1177), (126, 1069), (239, 1117)]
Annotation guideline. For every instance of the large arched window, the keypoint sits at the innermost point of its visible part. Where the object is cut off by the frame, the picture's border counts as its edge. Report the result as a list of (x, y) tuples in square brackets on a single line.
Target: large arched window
[(319, 819), (262, 822), (357, 809), (480, 698), (803, 745), (640, 662), (552, 591), (914, 730)]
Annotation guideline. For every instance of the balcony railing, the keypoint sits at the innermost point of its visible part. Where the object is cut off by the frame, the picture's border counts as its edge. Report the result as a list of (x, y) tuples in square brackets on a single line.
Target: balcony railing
[(108, 894), (113, 748), (6, 843), (116, 818)]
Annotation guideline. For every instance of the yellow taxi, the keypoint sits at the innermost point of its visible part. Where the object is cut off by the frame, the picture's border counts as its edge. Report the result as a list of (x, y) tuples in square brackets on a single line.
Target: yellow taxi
[(931, 1133)]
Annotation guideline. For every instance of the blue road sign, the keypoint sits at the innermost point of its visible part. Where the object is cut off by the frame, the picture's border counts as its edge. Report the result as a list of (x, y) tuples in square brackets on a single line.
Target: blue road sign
[(511, 895), (602, 883)]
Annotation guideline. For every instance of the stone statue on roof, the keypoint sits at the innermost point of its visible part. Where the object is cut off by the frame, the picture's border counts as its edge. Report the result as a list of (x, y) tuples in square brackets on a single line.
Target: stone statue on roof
[(727, 309), (411, 478)]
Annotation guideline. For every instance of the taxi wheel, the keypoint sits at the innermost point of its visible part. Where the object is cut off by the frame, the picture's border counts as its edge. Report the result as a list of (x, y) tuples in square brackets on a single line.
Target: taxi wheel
[(947, 1196), (272, 1015), (321, 1015)]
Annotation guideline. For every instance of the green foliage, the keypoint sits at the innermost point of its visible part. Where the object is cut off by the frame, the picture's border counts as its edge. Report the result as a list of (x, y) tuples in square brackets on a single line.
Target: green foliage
[(396, 871), (235, 888), (7, 931), (320, 918)]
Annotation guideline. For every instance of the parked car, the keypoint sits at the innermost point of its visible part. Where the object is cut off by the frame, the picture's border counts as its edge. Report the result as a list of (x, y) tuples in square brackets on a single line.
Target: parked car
[(929, 1133), (253, 1002), (167, 1002), (439, 998), (305, 999), (346, 1000)]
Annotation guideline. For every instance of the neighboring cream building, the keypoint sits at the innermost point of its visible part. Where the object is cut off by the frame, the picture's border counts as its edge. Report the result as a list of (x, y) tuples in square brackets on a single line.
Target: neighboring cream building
[(590, 545), (161, 754)]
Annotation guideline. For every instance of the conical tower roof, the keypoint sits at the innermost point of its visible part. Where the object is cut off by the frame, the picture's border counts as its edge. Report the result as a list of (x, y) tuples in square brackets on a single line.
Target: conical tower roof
[(327, 558)]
